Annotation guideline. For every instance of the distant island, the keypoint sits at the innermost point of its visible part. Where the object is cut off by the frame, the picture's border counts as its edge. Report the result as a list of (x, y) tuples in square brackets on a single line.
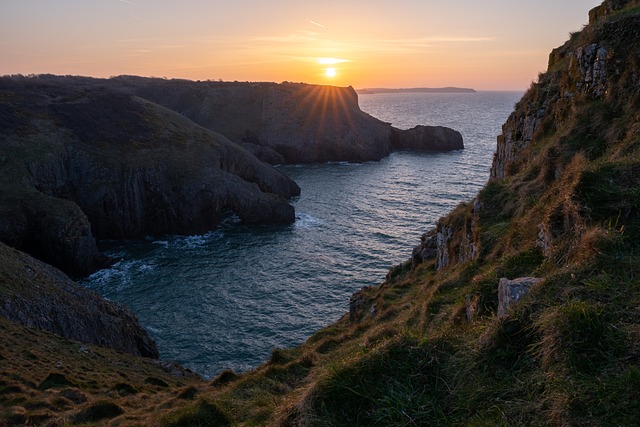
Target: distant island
[(369, 91)]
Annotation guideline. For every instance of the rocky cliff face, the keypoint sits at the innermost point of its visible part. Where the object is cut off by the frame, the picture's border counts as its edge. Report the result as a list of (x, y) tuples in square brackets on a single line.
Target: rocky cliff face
[(79, 162), (289, 122), (593, 66), (40, 296), (584, 105), (89, 158)]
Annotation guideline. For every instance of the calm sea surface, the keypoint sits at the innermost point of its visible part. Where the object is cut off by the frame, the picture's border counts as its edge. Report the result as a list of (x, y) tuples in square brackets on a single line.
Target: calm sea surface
[(225, 299)]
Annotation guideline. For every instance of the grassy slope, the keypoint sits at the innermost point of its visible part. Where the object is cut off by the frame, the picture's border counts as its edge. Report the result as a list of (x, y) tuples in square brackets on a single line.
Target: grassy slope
[(435, 353), (47, 379)]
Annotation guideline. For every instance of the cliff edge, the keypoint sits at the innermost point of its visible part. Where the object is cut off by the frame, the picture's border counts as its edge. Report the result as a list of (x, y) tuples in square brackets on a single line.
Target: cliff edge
[(289, 122), (80, 162)]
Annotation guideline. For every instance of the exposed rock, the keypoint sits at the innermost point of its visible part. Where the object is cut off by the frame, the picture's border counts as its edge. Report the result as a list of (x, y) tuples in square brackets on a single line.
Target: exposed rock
[(516, 136), (576, 73), (511, 291), (443, 236), (279, 123), (85, 162), (472, 307), (426, 250), (467, 249), (357, 304), (557, 124), (427, 138), (284, 123), (589, 66), (40, 296)]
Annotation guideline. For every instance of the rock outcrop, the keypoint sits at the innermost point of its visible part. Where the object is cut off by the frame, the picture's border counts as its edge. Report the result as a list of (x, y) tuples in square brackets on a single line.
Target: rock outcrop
[(82, 161), (427, 138), (512, 291), (279, 123), (594, 69), (584, 104), (85, 158), (289, 122), (40, 296)]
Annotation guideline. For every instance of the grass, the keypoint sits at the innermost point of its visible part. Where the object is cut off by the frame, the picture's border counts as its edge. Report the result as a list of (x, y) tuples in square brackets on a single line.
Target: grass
[(97, 411), (45, 378), (202, 413), (435, 352), (399, 384)]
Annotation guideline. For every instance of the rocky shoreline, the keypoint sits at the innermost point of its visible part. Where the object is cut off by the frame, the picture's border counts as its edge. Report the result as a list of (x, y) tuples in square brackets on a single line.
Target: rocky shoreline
[(83, 159)]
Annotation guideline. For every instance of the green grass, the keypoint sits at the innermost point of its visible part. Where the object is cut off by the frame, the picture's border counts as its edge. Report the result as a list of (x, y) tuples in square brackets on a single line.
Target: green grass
[(567, 354), (399, 384), (200, 414)]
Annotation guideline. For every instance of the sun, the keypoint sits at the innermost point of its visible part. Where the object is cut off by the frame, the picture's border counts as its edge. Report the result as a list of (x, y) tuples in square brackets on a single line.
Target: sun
[(330, 72)]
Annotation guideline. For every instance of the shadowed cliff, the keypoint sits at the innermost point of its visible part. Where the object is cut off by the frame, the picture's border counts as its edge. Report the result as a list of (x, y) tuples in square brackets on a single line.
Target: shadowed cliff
[(37, 295), (279, 123), (85, 162), (290, 122)]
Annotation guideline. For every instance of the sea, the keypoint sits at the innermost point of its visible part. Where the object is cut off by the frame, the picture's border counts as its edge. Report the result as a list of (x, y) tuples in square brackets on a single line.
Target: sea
[(225, 299)]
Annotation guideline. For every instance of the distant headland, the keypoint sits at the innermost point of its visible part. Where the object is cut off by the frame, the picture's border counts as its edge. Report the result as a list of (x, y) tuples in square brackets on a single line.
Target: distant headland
[(369, 91)]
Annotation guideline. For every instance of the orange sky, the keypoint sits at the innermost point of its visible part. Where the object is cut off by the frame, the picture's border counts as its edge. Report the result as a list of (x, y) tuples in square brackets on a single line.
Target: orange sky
[(494, 44)]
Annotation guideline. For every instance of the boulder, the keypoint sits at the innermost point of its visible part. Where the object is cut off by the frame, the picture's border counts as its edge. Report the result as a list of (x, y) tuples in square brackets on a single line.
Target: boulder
[(511, 291)]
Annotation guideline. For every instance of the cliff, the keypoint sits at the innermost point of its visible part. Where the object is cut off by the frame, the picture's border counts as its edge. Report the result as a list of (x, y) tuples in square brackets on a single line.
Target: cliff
[(84, 158), (281, 123), (288, 122), (81, 161), (37, 295), (521, 308)]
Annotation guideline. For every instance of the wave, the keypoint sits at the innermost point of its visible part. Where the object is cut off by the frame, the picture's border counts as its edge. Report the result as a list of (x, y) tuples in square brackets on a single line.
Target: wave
[(306, 221)]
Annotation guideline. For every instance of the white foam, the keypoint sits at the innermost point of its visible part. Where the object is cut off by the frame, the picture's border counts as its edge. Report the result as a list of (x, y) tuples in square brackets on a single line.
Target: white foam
[(304, 220), (153, 330)]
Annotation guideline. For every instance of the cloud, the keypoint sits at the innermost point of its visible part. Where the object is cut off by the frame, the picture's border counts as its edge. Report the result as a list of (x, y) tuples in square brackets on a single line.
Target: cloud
[(302, 39), (317, 24), (331, 61), (129, 2)]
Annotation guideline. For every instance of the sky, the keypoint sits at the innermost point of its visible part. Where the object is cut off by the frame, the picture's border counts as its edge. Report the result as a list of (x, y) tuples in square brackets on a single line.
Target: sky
[(485, 45)]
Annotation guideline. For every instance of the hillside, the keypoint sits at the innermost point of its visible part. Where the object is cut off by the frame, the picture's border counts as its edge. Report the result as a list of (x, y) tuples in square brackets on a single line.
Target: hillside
[(444, 340)]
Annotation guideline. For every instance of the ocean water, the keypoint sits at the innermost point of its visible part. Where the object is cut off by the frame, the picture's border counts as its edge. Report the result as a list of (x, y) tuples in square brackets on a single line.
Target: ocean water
[(225, 299)]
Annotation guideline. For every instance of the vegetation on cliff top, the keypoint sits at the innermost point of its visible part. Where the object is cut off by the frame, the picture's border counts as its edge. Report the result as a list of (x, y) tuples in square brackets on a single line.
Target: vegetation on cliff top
[(426, 347)]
